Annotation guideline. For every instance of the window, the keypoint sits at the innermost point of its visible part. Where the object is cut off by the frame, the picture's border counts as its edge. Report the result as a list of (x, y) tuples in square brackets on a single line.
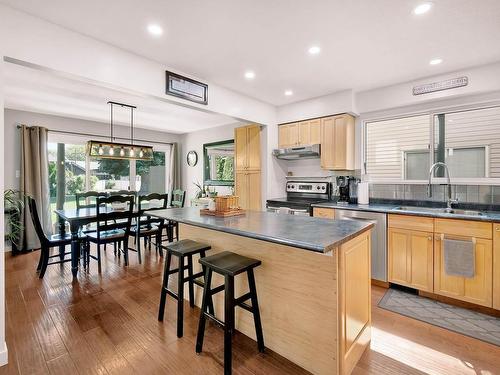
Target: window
[(218, 159), (151, 175), (467, 141)]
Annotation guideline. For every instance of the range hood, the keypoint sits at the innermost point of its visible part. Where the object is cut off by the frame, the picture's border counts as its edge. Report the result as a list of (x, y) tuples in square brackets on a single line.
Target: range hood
[(299, 152)]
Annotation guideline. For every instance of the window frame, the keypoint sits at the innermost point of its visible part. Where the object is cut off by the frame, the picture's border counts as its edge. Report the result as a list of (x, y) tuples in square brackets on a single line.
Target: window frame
[(431, 113), (206, 164)]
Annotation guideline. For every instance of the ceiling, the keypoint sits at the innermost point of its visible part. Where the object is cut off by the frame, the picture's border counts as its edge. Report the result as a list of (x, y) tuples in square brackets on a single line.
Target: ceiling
[(365, 43), (33, 90)]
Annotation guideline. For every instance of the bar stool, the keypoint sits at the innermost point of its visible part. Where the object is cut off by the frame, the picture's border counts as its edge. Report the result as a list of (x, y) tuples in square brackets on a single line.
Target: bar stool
[(182, 249), (229, 265)]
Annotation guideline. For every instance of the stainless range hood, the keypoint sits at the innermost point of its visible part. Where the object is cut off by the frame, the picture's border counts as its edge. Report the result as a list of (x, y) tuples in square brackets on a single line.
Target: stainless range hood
[(299, 152)]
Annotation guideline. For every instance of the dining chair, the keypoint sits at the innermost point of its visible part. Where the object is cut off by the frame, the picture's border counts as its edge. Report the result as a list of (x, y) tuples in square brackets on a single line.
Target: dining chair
[(178, 200), (88, 198), (150, 226), (47, 242), (113, 225)]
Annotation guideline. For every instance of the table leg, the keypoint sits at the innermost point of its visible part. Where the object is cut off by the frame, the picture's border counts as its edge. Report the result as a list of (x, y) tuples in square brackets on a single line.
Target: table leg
[(138, 238), (62, 233), (75, 249)]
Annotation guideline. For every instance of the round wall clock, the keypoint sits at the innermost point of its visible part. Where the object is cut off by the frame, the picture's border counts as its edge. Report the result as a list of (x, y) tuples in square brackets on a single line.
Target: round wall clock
[(192, 158)]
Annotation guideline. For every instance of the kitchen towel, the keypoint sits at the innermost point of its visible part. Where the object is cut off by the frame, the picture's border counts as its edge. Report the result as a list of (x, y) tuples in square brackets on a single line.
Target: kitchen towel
[(459, 257)]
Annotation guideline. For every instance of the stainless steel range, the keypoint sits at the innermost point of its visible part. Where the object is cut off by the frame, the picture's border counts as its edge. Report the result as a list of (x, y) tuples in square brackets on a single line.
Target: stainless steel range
[(300, 195)]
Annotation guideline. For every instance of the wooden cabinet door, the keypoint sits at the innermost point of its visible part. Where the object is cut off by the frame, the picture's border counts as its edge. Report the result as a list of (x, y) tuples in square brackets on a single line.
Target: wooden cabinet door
[(253, 148), (241, 188), (399, 257), (327, 142), (478, 289), (337, 142), (422, 260), (304, 133), (496, 266), (240, 148), (283, 136), (315, 131), (293, 132), (325, 213), (253, 191)]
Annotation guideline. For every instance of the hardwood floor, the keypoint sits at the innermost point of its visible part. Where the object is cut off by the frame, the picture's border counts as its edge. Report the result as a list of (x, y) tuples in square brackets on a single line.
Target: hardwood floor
[(106, 324)]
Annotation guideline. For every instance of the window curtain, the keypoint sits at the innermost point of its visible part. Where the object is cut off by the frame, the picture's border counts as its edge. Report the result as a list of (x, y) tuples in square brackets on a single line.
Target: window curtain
[(34, 182), (175, 170)]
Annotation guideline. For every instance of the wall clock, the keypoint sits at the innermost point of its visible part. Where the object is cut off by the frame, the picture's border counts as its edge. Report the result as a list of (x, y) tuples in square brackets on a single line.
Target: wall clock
[(192, 158)]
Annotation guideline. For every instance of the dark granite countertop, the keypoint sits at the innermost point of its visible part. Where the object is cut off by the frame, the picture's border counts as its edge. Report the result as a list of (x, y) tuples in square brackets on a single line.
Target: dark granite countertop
[(304, 232), (389, 208)]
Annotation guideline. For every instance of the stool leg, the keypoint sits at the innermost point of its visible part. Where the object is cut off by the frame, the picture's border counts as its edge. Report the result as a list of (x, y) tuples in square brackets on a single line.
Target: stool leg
[(190, 281), (255, 308), (228, 323), (210, 303), (180, 299), (164, 286), (204, 302)]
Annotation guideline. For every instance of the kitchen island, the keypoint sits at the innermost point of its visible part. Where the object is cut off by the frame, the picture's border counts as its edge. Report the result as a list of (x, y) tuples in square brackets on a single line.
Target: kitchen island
[(313, 285)]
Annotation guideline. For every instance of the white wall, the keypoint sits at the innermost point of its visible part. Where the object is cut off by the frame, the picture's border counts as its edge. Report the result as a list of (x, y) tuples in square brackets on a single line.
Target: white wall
[(36, 41), (12, 148), (3, 345)]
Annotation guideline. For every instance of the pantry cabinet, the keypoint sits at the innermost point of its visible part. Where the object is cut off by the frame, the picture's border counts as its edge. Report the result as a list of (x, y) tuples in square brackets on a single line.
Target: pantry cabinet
[(248, 189), (496, 266), (247, 165), (337, 142)]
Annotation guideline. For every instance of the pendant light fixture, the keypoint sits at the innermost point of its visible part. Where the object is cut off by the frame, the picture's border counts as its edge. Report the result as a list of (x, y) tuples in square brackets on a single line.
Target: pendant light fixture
[(114, 150)]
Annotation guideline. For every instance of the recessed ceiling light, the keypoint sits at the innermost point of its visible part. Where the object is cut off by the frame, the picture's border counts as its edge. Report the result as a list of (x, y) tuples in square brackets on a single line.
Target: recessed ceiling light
[(288, 92), (155, 29), (422, 8), (314, 50), (249, 74), (435, 61)]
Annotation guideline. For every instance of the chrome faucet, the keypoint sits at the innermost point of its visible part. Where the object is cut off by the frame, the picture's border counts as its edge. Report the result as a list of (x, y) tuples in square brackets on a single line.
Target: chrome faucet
[(450, 201)]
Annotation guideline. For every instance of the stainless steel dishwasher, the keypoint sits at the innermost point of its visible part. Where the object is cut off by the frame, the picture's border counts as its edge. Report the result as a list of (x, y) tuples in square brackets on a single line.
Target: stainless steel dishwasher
[(378, 238)]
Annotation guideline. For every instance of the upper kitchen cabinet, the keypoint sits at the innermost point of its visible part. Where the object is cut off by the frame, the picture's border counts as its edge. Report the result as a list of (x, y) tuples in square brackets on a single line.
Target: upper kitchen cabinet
[(302, 133), (247, 148), (337, 142)]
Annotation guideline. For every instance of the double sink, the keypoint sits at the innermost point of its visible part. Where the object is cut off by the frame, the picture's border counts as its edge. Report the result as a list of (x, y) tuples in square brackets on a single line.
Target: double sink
[(451, 211)]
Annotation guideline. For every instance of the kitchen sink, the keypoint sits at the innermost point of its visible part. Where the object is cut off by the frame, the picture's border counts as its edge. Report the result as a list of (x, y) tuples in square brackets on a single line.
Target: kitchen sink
[(453, 211)]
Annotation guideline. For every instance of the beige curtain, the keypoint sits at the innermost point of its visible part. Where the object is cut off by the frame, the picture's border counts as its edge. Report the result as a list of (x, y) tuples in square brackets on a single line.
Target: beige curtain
[(175, 169), (35, 182)]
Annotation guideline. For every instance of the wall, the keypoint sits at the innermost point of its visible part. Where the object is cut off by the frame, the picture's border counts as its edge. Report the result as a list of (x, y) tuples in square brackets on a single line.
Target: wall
[(12, 148), (3, 345)]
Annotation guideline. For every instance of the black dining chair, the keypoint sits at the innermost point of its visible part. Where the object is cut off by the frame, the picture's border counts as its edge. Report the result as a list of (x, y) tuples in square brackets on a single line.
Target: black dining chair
[(47, 242), (113, 225), (150, 226), (178, 200), (87, 199)]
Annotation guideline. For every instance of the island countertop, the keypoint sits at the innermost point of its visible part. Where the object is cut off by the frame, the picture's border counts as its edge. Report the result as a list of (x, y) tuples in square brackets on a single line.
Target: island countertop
[(304, 232)]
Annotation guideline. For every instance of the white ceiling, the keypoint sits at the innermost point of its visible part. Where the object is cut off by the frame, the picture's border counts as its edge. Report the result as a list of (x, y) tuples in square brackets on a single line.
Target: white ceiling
[(365, 43), (43, 92)]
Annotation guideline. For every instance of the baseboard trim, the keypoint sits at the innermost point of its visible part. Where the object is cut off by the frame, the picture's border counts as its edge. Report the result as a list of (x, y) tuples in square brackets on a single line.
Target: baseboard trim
[(4, 354), (383, 284)]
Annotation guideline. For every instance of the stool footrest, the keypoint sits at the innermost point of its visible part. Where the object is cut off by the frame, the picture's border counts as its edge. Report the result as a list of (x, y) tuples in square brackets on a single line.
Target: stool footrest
[(217, 289), (175, 295), (215, 319), (238, 301), (246, 307), (199, 283)]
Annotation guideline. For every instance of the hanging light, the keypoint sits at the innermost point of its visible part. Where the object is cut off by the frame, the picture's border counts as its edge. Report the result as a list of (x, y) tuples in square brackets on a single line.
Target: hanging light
[(99, 149)]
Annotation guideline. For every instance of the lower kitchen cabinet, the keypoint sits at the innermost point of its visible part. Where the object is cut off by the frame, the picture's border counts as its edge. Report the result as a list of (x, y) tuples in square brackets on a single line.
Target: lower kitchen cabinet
[(477, 289), (496, 266), (247, 186), (410, 258)]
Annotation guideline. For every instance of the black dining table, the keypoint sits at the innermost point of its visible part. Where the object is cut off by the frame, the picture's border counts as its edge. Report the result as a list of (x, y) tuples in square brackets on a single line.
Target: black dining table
[(78, 217)]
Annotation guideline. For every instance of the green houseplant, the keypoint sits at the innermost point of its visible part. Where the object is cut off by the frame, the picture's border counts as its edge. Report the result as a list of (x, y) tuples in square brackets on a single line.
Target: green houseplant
[(14, 204)]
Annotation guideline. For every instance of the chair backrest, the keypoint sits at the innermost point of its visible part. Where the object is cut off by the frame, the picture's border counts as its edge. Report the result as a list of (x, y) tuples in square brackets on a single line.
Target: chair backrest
[(88, 202), (178, 198), (36, 221), (162, 204), (110, 219), (123, 193)]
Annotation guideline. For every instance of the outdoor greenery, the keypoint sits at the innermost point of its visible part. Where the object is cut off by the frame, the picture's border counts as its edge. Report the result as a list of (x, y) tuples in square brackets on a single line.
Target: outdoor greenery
[(224, 168)]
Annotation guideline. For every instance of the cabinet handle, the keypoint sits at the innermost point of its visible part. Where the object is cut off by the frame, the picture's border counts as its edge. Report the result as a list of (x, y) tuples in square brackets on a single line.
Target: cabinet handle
[(497, 229), (429, 238)]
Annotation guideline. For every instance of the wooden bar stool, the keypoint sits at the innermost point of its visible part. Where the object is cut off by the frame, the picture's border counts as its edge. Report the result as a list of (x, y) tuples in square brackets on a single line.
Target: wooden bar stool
[(229, 265), (184, 249)]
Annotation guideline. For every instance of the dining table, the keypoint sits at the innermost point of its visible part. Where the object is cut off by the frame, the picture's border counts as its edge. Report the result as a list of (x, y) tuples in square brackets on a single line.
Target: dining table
[(79, 217)]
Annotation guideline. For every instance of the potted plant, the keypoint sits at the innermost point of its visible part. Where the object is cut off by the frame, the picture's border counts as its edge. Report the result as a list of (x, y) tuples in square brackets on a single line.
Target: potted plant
[(14, 204)]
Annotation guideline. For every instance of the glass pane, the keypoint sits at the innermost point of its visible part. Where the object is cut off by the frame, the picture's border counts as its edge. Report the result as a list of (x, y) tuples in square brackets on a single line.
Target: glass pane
[(219, 162), (469, 142), (109, 175), (388, 142), (151, 175)]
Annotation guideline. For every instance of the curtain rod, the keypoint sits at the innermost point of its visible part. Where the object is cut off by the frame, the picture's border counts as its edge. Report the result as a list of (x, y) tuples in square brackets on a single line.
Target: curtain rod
[(96, 135)]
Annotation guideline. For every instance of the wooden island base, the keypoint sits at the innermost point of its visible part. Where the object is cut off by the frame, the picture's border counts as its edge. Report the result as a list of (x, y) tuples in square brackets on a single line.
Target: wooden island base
[(315, 307)]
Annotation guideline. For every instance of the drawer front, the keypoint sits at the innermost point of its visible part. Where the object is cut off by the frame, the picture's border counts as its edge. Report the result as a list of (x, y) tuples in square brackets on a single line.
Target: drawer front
[(418, 223), (464, 228), (326, 213)]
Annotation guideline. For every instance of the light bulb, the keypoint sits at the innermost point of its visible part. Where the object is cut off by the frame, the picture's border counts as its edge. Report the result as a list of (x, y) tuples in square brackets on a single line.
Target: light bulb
[(132, 152), (141, 153), (101, 150), (111, 151), (122, 152)]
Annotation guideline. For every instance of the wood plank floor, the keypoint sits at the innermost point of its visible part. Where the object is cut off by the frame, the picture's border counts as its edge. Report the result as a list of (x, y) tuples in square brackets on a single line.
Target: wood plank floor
[(106, 324)]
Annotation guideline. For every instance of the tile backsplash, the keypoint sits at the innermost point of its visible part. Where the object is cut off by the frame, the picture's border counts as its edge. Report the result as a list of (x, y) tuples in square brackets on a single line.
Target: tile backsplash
[(483, 194)]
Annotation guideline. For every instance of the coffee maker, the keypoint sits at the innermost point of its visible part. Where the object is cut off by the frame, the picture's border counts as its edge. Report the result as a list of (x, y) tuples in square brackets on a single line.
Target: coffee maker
[(343, 183)]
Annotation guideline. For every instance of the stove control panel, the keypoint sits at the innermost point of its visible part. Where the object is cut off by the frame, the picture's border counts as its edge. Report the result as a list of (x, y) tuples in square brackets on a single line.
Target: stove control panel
[(307, 187)]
